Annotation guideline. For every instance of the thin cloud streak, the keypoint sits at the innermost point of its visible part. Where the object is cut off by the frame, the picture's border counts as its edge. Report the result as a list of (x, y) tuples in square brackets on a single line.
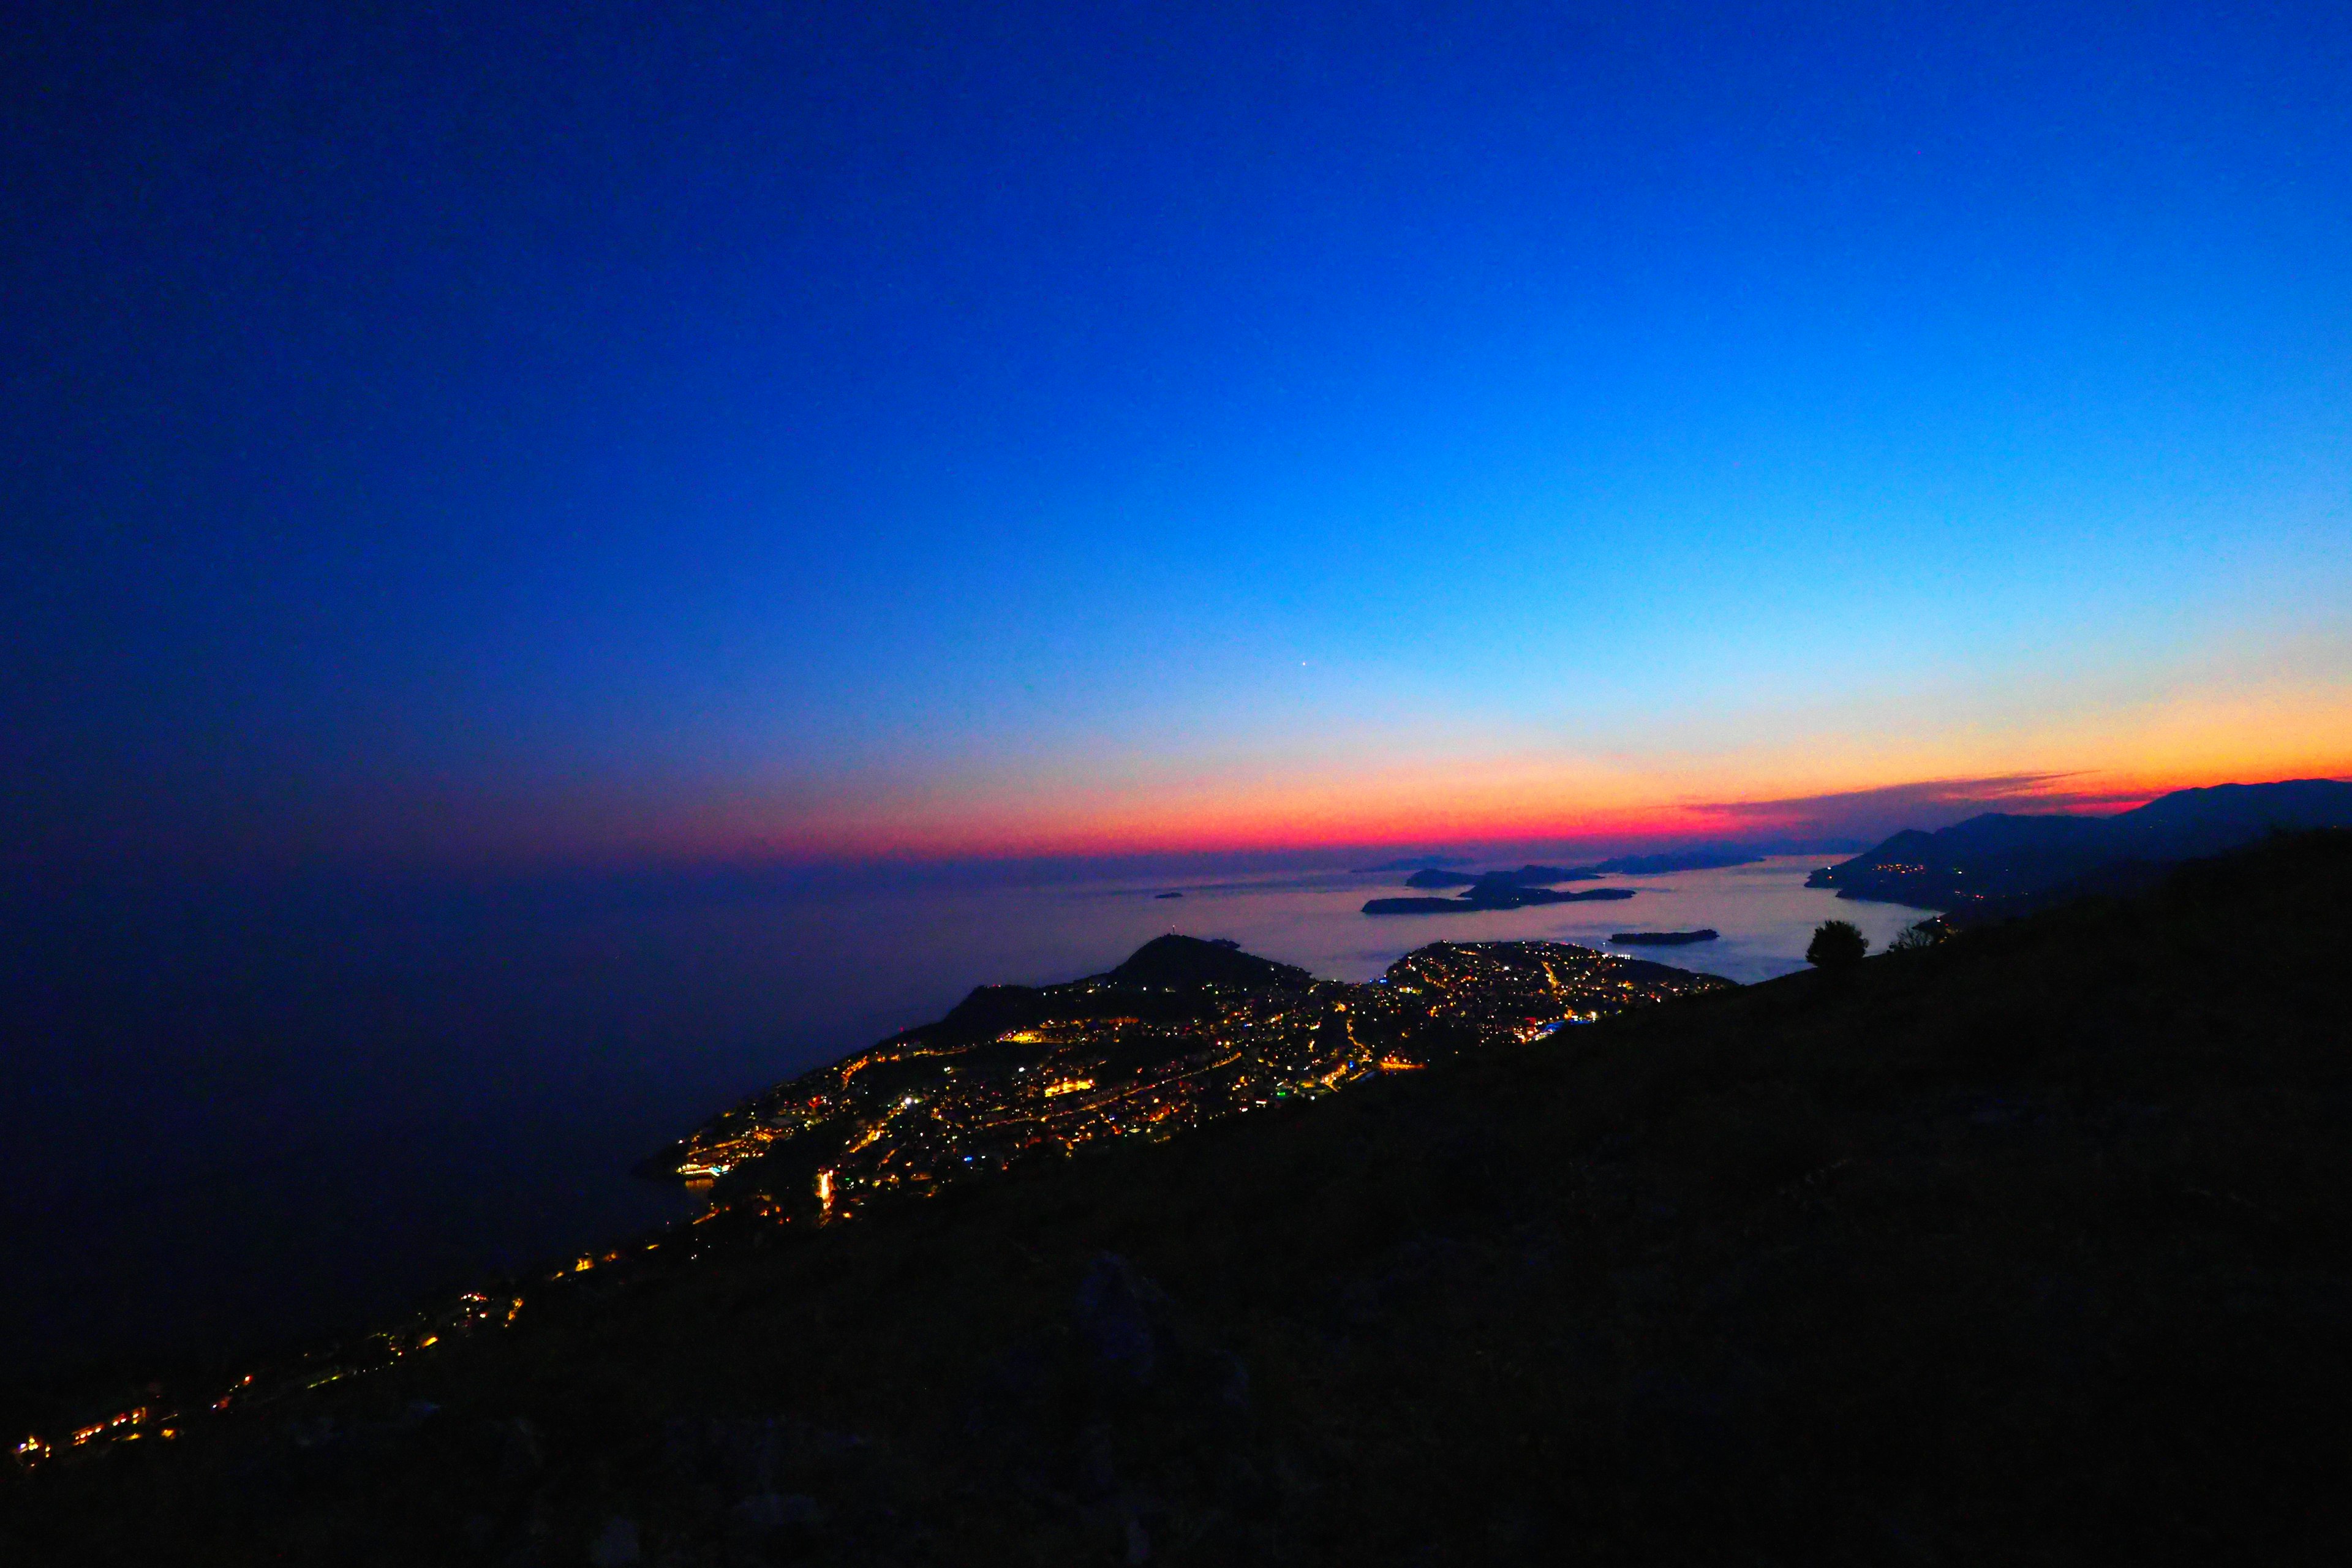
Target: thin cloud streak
[(1922, 803)]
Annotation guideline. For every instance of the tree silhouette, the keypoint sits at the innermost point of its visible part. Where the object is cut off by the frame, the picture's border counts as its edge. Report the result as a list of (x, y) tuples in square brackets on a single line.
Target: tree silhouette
[(1921, 934), (1835, 945)]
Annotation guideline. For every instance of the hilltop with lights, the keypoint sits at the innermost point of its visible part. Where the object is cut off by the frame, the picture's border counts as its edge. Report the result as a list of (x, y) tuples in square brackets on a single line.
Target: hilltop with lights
[(1185, 1032)]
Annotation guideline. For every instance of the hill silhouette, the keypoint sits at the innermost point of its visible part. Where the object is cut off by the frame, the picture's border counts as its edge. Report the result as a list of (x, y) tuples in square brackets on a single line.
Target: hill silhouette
[(1698, 858), (1169, 976), (1189, 961), (2048, 858), (2031, 1246)]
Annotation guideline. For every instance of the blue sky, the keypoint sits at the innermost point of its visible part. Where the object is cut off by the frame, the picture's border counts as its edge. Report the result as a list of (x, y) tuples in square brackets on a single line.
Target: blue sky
[(624, 431)]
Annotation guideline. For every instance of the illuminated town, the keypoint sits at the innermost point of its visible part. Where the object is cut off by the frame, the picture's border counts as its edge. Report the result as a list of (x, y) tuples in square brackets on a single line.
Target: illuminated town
[(1185, 1032)]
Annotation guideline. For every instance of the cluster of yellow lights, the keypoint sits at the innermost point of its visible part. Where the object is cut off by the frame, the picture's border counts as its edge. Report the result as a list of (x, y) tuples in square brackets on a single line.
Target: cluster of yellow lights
[(1137, 1109), (35, 1449)]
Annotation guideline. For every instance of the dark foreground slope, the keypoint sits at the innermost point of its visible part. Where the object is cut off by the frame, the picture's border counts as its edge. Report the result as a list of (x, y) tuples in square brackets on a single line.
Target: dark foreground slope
[(2031, 1247)]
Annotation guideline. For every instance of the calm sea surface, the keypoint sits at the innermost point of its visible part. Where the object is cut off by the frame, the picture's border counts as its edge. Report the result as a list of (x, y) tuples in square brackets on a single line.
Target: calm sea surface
[(237, 1116)]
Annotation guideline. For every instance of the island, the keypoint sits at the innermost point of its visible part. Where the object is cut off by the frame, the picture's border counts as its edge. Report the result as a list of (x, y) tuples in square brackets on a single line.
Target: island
[(1167, 895), (1663, 938), (1433, 874), (1524, 877), (1492, 896)]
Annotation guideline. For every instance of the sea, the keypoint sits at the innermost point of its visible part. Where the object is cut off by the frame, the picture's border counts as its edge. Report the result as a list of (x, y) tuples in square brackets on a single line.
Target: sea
[(242, 1114)]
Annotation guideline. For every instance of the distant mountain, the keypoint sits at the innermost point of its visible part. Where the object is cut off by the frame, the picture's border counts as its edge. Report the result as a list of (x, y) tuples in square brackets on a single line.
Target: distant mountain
[(1412, 863), (2190, 823), (1697, 859), (2002, 857)]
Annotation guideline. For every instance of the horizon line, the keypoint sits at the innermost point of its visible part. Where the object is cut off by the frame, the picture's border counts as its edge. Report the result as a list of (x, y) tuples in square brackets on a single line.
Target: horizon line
[(1805, 824)]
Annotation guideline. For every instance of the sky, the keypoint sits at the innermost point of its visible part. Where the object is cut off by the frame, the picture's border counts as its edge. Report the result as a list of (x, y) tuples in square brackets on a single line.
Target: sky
[(493, 435)]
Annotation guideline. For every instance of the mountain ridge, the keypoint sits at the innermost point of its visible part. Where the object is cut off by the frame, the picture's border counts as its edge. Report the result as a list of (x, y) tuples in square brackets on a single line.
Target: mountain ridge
[(1998, 857)]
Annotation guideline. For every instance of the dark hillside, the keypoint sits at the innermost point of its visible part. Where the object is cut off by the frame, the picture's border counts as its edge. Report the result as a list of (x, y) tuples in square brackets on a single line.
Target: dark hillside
[(2020, 863), (2222, 817), (2034, 1246)]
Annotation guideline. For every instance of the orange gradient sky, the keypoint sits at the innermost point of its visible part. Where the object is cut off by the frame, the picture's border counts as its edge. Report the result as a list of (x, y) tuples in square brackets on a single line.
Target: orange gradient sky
[(1855, 768), (1323, 431)]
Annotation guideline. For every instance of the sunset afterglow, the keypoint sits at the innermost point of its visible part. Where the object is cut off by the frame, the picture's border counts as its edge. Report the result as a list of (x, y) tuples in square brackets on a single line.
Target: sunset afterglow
[(1141, 438)]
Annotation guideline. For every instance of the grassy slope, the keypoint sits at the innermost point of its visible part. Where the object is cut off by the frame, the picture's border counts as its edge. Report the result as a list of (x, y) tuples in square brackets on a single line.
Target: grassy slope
[(2032, 1247)]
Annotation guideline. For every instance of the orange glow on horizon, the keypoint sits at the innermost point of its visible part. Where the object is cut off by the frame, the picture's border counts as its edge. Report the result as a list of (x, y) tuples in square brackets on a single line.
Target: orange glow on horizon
[(2089, 760), (1241, 825), (1850, 772)]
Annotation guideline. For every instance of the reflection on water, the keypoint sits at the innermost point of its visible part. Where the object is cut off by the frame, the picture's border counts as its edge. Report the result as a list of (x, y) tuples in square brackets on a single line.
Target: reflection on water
[(285, 1108)]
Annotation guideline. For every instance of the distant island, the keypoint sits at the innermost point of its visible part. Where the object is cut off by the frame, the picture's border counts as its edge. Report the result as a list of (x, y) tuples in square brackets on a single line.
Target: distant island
[(1524, 877), (1707, 859), (1663, 937), (1485, 894), (2003, 864), (1167, 895)]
